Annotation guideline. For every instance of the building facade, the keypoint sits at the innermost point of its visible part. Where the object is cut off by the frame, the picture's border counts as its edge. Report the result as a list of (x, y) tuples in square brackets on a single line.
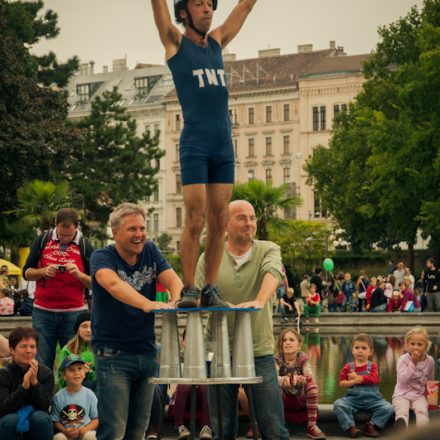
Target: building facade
[(281, 108), (143, 90)]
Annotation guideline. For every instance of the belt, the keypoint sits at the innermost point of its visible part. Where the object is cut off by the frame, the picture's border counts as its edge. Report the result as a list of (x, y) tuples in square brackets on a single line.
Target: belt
[(107, 351)]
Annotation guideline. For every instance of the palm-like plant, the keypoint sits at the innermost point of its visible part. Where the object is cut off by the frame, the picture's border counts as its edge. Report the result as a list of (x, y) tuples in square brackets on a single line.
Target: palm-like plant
[(38, 203), (267, 200)]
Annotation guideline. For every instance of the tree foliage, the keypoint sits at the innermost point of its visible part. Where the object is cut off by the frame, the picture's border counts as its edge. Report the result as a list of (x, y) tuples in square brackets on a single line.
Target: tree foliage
[(113, 163), (380, 175), (38, 203), (267, 200), (303, 243), (33, 133)]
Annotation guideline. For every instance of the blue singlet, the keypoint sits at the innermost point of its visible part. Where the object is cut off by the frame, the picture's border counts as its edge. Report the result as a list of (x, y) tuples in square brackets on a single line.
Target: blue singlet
[(206, 151)]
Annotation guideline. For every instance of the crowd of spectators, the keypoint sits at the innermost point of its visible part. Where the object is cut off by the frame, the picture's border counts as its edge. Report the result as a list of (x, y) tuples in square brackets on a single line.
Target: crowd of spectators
[(398, 291)]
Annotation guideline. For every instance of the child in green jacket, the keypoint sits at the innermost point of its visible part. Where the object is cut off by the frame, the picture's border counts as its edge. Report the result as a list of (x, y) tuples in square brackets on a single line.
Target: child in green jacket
[(80, 345)]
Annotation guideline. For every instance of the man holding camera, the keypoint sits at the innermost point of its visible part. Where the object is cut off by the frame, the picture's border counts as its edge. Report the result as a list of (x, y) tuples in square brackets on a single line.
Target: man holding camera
[(59, 263)]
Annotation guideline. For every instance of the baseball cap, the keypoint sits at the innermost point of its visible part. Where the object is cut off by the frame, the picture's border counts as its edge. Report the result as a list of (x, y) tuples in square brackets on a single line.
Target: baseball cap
[(71, 359)]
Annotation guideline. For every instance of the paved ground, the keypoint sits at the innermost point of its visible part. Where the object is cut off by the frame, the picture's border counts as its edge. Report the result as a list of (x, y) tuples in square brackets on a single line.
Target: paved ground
[(297, 432)]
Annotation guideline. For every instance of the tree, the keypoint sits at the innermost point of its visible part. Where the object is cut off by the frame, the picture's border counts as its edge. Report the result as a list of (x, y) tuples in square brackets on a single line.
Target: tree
[(38, 203), (302, 242), (267, 201), (391, 136), (113, 164), (33, 133), (163, 241)]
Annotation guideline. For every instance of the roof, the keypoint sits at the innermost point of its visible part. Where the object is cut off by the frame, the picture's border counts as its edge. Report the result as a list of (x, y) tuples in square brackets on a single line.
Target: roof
[(278, 70), (271, 71), (124, 80), (337, 65)]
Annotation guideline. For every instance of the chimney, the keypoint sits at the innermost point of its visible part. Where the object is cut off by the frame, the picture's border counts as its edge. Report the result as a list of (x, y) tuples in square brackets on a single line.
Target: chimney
[(229, 57), (104, 69), (340, 51), (305, 48), (84, 69), (119, 65), (264, 53), (332, 44)]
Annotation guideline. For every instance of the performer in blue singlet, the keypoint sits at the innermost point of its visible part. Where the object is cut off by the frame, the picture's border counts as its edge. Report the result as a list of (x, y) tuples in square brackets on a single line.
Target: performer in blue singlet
[(206, 151)]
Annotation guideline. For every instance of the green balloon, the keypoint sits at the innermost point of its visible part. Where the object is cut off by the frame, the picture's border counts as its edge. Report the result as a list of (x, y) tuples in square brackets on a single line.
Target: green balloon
[(328, 264)]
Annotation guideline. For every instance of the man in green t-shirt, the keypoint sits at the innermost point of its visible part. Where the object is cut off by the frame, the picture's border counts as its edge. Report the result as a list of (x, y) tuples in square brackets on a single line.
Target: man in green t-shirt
[(249, 274)]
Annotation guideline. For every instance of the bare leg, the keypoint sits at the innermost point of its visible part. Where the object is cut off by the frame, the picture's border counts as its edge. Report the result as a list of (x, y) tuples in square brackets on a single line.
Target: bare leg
[(194, 197), (218, 196)]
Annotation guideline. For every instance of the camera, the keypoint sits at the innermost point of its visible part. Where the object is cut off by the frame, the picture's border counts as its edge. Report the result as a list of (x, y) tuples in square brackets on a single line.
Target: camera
[(61, 268)]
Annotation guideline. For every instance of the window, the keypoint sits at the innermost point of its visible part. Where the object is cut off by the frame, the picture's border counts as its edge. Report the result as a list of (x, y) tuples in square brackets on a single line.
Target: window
[(178, 184), (268, 175), (286, 112), (286, 175), (315, 119), (268, 113), (339, 108), (156, 195), (177, 150), (156, 129), (233, 115), (251, 174), (178, 217), (251, 145), (86, 91), (319, 117), (286, 144), (147, 127), (269, 146), (318, 209), (251, 115), (235, 148), (177, 122), (157, 164), (155, 223), (144, 84), (322, 116)]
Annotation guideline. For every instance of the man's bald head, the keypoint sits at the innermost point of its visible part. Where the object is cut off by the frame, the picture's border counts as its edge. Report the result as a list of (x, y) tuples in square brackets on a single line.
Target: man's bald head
[(242, 224), (238, 205)]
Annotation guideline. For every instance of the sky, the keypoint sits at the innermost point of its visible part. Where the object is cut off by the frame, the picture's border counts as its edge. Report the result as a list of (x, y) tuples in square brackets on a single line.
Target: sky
[(103, 30)]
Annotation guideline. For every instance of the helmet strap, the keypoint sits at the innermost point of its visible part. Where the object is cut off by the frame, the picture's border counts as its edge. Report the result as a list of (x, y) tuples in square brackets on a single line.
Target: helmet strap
[(191, 24)]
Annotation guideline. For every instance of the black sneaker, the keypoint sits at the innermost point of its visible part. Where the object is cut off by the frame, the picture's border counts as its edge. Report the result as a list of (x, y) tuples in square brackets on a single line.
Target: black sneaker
[(188, 298), (210, 297)]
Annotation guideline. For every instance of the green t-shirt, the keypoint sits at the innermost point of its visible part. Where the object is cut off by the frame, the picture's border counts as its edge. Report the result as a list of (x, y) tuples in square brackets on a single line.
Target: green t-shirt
[(237, 285)]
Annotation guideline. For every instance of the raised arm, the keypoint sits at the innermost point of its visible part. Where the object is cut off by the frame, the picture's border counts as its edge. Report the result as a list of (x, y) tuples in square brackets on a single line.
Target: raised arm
[(168, 33), (232, 25)]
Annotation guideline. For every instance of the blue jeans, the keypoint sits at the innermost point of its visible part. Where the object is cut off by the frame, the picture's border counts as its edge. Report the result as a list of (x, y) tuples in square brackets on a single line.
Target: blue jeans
[(124, 394), (284, 310), (52, 327), (366, 400), (379, 308), (41, 427), (268, 405)]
